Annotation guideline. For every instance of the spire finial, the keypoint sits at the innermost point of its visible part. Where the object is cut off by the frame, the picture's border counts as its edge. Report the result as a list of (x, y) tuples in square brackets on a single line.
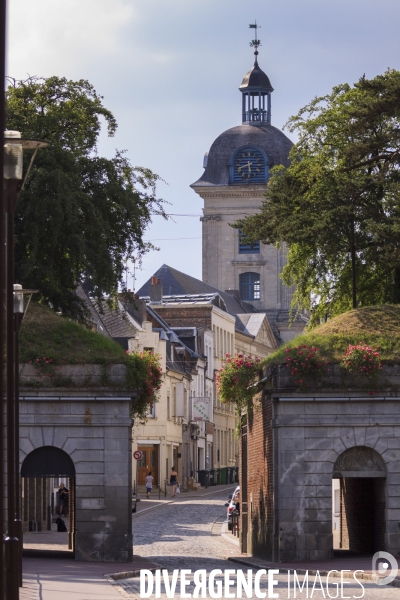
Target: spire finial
[(256, 42)]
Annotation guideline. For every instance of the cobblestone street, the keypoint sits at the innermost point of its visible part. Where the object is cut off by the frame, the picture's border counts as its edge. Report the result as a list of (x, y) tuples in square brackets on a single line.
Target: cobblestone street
[(187, 535)]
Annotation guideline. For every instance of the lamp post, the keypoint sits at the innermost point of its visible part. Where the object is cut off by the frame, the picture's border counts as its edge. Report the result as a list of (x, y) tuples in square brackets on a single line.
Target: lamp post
[(19, 310), (13, 182)]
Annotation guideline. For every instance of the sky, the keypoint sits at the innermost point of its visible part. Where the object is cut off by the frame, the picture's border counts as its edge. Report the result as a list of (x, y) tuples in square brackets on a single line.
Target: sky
[(169, 70)]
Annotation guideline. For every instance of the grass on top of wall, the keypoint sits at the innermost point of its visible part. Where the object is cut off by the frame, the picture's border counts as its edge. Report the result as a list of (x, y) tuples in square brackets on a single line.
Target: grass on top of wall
[(43, 332), (377, 326)]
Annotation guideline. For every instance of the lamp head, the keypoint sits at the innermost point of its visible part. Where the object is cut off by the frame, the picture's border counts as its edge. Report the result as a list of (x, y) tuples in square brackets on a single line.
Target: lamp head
[(18, 299), (13, 155)]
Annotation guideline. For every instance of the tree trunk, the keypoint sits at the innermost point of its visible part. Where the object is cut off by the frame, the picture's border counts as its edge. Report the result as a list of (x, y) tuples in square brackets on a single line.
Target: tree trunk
[(353, 267)]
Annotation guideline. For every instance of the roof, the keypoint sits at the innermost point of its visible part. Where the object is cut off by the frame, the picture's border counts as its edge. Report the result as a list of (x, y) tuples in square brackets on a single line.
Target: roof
[(256, 79), (115, 323), (257, 325), (177, 287), (270, 139), (251, 324)]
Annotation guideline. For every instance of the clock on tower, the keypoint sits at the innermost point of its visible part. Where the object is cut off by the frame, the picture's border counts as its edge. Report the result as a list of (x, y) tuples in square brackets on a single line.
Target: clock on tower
[(249, 166)]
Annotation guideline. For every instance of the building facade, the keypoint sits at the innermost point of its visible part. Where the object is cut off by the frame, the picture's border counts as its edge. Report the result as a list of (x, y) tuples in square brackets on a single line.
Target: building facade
[(222, 327)]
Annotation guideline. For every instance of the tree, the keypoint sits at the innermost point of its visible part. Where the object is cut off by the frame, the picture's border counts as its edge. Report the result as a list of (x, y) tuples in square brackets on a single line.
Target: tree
[(337, 206), (79, 215)]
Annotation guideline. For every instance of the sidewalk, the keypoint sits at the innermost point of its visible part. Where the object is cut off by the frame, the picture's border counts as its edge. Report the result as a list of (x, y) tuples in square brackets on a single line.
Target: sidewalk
[(343, 563), (50, 578)]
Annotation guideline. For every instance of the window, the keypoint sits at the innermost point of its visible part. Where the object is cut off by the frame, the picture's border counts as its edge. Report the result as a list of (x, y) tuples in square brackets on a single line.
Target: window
[(151, 411), (253, 248), (168, 407), (249, 285), (151, 350)]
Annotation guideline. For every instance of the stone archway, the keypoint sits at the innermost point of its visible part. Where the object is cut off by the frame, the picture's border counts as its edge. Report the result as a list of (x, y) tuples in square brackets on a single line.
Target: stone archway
[(41, 471), (359, 499)]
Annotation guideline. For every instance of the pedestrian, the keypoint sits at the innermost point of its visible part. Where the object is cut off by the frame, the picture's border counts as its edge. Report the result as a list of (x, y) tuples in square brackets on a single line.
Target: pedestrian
[(173, 479), (149, 484), (63, 496)]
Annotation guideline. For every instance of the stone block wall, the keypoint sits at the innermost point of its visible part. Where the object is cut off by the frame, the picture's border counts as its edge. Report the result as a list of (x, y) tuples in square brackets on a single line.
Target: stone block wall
[(74, 376), (96, 432), (293, 460)]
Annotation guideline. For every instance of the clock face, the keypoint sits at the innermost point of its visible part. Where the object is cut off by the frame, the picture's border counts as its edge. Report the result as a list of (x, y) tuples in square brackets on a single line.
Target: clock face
[(249, 165)]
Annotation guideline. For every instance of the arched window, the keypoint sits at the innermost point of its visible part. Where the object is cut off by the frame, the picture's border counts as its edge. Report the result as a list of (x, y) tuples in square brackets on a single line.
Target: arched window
[(248, 165), (249, 286), (253, 248)]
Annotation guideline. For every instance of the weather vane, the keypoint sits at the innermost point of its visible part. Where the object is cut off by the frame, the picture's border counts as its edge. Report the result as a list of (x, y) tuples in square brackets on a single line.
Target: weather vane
[(256, 42)]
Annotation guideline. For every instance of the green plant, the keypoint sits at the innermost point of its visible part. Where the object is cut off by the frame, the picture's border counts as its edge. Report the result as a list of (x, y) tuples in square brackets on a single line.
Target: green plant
[(305, 362), (236, 379), (144, 374), (362, 360)]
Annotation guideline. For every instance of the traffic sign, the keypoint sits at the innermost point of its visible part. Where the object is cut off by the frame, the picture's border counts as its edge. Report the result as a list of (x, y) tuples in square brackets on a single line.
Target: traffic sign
[(137, 454)]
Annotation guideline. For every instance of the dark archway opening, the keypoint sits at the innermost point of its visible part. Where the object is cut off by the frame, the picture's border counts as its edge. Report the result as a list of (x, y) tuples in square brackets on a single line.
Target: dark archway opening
[(362, 514), (48, 516), (359, 501)]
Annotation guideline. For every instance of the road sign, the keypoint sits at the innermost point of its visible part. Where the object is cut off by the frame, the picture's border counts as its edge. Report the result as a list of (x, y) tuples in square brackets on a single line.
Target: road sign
[(137, 454)]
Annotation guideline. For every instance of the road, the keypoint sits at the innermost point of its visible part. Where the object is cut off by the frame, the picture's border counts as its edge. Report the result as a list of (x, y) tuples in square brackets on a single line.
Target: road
[(187, 535)]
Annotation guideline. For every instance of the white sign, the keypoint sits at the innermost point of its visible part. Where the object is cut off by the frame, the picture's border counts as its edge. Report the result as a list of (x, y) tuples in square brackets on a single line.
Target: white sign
[(201, 409)]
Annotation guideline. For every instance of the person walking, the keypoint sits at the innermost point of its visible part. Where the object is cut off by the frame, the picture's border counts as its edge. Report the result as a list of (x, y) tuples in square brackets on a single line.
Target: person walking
[(149, 483), (63, 496), (173, 479)]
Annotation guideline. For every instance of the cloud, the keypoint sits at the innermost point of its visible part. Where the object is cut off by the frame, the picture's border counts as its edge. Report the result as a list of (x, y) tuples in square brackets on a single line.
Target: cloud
[(56, 37)]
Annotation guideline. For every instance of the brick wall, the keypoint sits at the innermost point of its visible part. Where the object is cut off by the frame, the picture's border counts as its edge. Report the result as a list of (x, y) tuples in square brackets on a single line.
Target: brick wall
[(260, 480)]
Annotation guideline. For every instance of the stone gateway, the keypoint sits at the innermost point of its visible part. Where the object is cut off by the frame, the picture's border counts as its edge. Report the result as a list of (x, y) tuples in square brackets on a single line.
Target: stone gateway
[(320, 471), (88, 440)]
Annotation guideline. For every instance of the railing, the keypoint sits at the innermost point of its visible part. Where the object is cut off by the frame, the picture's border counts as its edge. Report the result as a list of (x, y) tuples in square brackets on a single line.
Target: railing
[(255, 115)]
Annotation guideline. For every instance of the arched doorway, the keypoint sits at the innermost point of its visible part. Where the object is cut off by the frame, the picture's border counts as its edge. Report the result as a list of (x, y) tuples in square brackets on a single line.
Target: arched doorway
[(359, 501), (44, 472)]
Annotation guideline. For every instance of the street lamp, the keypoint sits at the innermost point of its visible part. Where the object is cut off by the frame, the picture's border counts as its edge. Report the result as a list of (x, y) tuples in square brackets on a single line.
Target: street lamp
[(14, 146), (19, 310)]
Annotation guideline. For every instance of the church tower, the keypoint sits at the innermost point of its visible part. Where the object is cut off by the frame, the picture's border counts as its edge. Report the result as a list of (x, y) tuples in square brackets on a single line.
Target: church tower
[(233, 186)]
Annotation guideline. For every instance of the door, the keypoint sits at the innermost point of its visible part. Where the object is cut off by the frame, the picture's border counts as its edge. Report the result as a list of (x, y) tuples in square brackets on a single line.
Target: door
[(148, 462)]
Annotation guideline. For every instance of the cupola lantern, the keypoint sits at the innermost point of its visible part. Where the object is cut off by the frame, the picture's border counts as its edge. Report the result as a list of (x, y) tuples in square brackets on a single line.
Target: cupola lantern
[(256, 90)]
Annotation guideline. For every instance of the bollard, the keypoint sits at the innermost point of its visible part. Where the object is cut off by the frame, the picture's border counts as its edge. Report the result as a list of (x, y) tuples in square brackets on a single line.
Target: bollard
[(11, 555)]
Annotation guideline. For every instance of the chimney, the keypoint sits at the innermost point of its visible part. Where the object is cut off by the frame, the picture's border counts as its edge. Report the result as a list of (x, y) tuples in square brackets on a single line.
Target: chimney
[(156, 292)]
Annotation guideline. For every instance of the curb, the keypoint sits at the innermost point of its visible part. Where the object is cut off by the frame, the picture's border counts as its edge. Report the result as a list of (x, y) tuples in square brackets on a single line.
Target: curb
[(323, 573), (128, 574), (228, 536)]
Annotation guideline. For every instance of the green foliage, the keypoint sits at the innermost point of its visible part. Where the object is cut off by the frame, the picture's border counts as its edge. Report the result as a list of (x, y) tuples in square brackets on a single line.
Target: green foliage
[(362, 360), (236, 381), (305, 363), (375, 326), (337, 206), (79, 214), (43, 333), (144, 374)]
